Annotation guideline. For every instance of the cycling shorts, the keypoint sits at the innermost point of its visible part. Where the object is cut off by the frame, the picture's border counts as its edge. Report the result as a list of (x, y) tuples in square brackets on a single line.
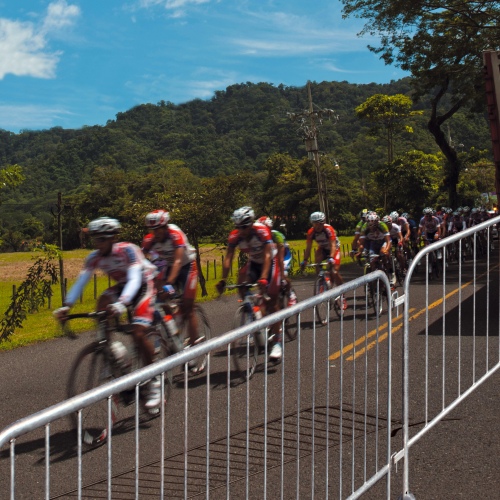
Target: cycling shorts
[(142, 303), (251, 272), (324, 254), (186, 283)]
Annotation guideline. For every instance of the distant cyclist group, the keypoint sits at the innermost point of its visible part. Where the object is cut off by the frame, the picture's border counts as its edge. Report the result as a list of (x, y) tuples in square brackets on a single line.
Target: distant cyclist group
[(166, 264), (399, 236)]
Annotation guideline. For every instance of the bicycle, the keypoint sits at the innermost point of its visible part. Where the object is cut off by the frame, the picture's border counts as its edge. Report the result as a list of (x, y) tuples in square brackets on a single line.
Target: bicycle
[(111, 355), (376, 293), (322, 284), (436, 261), (397, 271), (289, 297), (174, 329), (246, 356)]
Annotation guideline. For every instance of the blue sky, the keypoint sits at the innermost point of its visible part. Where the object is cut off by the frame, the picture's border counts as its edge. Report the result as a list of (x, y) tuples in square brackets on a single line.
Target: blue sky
[(75, 63)]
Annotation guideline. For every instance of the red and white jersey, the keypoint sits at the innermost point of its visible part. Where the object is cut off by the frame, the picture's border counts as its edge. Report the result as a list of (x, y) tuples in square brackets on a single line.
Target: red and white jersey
[(260, 236), (164, 251), (117, 263), (323, 238), (125, 264)]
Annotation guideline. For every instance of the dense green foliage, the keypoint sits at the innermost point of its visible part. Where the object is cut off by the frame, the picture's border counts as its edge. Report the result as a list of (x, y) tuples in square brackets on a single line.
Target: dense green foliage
[(203, 159), (441, 45)]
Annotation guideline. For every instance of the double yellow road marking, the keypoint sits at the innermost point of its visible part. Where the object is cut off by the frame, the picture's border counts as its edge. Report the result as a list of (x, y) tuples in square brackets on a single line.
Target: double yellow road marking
[(382, 329)]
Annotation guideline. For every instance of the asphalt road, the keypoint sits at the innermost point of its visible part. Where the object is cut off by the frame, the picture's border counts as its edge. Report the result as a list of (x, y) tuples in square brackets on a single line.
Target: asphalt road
[(456, 459)]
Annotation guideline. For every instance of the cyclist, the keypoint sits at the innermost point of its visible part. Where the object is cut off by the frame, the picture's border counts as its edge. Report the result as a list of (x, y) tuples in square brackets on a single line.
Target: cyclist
[(357, 230), (396, 244), (456, 223), (328, 248), (376, 238), (126, 264), (429, 228), (284, 253), (169, 249), (284, 256), (255, 240)]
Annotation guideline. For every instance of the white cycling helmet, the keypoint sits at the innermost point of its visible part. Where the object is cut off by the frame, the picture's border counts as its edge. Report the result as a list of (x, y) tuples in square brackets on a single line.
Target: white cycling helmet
[(104, 227), (317, 217), (394, 215), (266, 221), (372, 218), (243, 217), (387, 219), (157, 218), (428, 211)]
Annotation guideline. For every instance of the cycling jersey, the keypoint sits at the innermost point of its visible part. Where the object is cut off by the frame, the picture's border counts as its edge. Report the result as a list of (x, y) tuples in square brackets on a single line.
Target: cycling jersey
[(429, 225), (260, 236), (279, 239), (394, 231), (162, 253), (373, 233), (456, 224), (359, 225), (125, 264), (323, 238)]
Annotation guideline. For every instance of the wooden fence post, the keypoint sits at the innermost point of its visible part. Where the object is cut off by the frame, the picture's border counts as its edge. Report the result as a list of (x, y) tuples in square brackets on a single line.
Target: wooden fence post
[(208, 269)]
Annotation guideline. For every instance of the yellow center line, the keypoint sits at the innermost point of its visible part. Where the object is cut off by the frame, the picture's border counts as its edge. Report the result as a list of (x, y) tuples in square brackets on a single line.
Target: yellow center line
[(382, 327)]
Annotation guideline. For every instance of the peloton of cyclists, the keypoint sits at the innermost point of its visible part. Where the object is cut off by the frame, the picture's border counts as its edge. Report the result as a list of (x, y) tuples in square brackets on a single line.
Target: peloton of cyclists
[(126, 264), (255, 239)]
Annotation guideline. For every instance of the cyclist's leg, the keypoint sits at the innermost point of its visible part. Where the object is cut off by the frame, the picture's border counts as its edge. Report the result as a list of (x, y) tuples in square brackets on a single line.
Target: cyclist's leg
[(187, 284), (273, 305), (142, 319)]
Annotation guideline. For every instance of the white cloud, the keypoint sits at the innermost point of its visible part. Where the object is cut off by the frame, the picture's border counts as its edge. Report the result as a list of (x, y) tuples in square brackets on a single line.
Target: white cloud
[(178, 7), (16, 118), (60, 15), (23, 45)]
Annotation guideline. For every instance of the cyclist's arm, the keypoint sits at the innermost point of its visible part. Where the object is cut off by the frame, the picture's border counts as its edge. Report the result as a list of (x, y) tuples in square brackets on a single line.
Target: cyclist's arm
[(134, 282), (266, 265), (388, 244), (176, 266), (77, 289), (226, 264), (307, 251), (281, 257)]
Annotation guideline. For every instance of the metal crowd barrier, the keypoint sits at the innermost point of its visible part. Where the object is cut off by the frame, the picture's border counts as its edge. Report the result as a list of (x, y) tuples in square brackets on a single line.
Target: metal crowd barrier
[(461, 350), (318, 424)]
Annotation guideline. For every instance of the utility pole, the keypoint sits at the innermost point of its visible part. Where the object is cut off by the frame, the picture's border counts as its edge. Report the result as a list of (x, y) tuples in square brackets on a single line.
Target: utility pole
[(310, 120), (58, 214)]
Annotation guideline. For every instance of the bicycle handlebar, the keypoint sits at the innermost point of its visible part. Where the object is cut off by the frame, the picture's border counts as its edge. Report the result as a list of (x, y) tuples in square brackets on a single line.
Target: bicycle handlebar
[(242, 285)]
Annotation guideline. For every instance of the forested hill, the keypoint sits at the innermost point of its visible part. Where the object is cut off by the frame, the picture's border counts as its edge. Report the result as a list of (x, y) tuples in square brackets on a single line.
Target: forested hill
[(236, 130)]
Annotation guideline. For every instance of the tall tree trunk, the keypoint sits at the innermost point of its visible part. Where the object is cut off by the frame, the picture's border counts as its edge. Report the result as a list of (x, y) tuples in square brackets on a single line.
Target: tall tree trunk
[(453, 164)]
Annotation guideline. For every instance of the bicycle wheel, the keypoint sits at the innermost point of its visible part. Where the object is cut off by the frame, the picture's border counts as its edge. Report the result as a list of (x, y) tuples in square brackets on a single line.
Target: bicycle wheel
[(378, 297), (321, 286), (338, 306), (197, 365), (400, 276), (91, 369), (291, 323), (245, 353)]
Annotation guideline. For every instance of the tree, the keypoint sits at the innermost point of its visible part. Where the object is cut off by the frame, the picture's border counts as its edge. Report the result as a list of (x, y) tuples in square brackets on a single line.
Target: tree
[(441, 45), (10, 177), (389, 112), (410, 182)]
